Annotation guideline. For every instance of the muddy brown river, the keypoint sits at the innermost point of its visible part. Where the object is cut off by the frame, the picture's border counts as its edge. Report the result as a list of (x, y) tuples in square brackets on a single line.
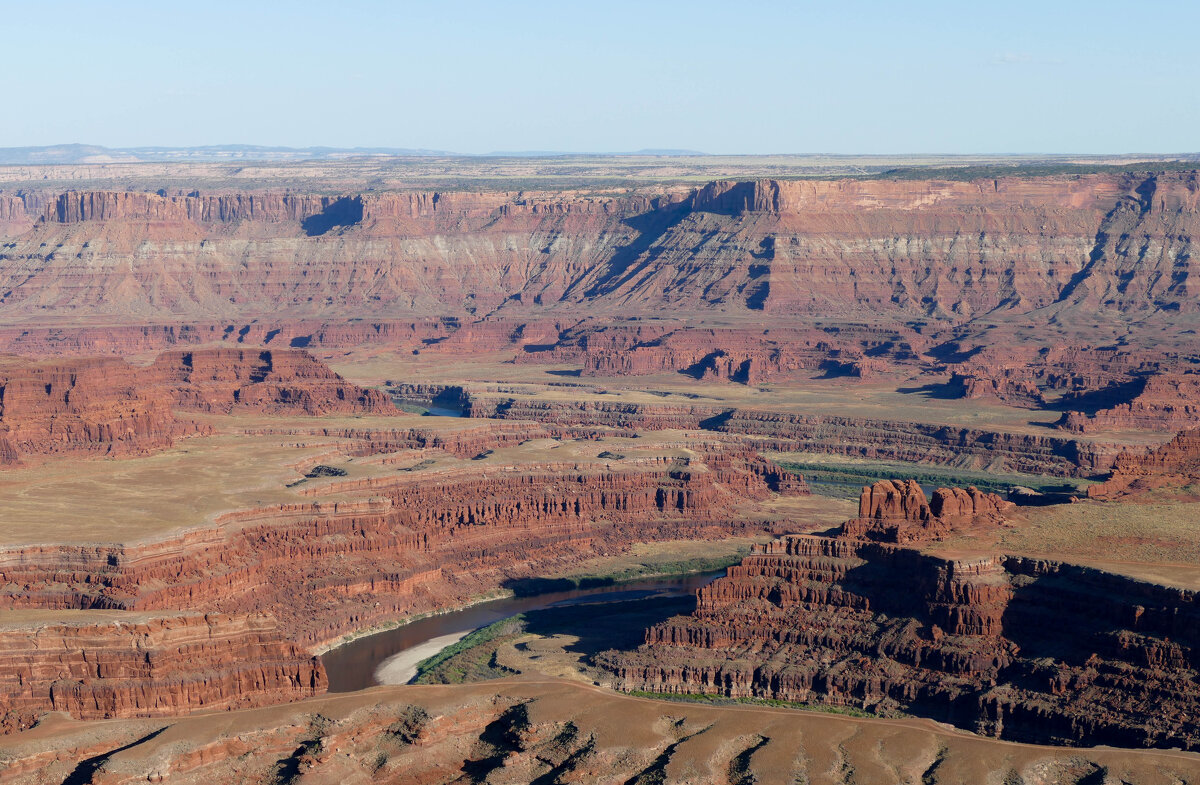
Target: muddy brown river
[(357, 664)]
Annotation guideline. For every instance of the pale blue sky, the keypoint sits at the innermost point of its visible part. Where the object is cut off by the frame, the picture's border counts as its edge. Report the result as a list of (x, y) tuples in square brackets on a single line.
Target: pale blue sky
[(722, 77)]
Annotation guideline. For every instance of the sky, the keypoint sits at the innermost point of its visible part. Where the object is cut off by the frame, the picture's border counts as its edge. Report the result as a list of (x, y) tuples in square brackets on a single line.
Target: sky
[(732, 77)]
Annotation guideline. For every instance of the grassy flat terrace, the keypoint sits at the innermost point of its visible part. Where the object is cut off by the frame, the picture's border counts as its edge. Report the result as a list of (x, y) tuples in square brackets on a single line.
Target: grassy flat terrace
[(261, 461)]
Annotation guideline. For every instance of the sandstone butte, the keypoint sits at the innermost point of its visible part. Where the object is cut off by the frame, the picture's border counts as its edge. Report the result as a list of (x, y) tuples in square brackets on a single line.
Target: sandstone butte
[(1007, 646)]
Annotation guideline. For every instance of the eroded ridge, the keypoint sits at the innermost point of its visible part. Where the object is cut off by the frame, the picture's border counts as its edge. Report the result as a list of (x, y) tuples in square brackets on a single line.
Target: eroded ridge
[(554, 731)]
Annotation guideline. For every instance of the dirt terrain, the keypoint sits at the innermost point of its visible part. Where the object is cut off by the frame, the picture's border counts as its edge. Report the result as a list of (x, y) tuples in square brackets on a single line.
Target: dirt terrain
[(518, 731), (247, 413)]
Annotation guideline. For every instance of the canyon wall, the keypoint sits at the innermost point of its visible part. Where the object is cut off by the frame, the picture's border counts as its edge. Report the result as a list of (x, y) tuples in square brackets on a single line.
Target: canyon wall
[(409, 543), (84, 406), (1167, 401), (125, 339), (278, 581), (148, 666), (104, 406), (942, 250), (1005, 646), (860, 279), (1175, 464)]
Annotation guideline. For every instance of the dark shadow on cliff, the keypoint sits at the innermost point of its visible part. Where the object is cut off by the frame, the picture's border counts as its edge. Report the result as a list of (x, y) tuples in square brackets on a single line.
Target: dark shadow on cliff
[(708, 364), (345, 211), (603, 626), (951, 352), (895, 583), (1121, 222), (1093, 401), (758, 289), (717, 421), (624, 263)]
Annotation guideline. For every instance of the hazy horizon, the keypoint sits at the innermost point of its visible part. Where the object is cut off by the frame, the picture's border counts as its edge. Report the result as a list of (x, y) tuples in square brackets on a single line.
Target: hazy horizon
[(474, 78), (423, 152)]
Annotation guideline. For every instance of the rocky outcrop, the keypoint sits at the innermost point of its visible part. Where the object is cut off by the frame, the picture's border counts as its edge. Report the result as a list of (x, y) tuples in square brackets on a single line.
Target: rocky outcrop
[(95, 666), (123, 339), (1172, 465), (87, 406), (967, 505), (104, 406), (1014, 386), (286, 381), (1005, 646), (746, 356), (14, 217), (897, 511), (1076, 376)]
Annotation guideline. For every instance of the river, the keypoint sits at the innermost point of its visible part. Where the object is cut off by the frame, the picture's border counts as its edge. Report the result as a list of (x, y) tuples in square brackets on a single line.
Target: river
[(391, 656)]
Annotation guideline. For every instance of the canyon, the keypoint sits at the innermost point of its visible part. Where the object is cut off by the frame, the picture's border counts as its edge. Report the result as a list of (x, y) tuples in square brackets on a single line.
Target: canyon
[(225, 449), (415, 528)]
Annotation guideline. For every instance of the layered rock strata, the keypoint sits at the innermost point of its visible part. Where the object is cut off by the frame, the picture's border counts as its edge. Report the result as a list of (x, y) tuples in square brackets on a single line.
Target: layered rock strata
[(749, 356), (125, 339), (414, 543), (86, 406), (1006, 646), (897, 511), (104, 406), (287, 381), (1164, 402), (907, 251), (892, 440), (96, 666), (1174, 464), (364, 552)]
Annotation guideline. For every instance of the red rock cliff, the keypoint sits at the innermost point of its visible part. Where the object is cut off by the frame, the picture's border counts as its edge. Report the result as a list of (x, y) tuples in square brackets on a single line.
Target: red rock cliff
[(95, 668), (105, 406), (1010, 647), (881, 248)]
